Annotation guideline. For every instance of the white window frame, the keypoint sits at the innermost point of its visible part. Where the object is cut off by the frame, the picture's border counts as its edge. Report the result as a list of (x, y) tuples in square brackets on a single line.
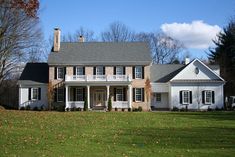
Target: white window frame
[(158, 97), (79, 71), (119, 94), (119, 70), (188, 97), (58, 71), (206, 97), (32, 94), (138, 94), (138, 72), (99, 70), (60, 99), (79, 93)]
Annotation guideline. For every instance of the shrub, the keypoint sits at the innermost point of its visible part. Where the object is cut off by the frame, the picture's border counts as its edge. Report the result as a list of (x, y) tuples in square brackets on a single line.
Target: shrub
[(78, 109), (182, 109), (67, 109), (35, 108), (209, 109), (140, 109), (109, 104), (129, 109), (123, 109), (175, 108), (85, 105), (116, 109), (72, 109), (135, 110), (60, 108), (27, 107), (22, 108)]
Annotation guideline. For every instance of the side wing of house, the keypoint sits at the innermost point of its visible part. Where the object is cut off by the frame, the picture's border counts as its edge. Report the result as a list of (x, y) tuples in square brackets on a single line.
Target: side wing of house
[(33, 86), (196, 87)]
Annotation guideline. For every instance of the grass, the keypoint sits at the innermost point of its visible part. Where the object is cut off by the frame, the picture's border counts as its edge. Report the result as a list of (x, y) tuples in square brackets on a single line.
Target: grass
[(28, 133)]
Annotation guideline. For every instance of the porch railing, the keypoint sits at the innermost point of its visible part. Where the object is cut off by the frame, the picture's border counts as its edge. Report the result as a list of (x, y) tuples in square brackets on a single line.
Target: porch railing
[(75, 104), (120, 104), (90, 78)]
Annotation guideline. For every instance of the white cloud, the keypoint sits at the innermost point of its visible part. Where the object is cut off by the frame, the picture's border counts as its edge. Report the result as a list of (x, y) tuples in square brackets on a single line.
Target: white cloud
[(197, 34)]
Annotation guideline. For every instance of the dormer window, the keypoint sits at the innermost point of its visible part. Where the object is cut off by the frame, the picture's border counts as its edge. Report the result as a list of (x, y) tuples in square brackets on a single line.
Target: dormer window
[(60, 73), (100, 70), (119, 70), (79, 71)]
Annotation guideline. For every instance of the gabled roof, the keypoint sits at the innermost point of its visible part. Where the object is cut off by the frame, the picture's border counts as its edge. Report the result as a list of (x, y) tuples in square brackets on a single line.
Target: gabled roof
[(101, 53), (164, 72), (35, 73)]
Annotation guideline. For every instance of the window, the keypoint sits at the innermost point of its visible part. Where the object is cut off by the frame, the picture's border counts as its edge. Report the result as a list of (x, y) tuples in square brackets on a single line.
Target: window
[(60, 94), (208, 97), (138, 94), (138, 72), (158, 97), (119, 70), (185, 95), (79, 94), (99, 70), (119, 94), (35, 94), (60, 73), (79, 71)]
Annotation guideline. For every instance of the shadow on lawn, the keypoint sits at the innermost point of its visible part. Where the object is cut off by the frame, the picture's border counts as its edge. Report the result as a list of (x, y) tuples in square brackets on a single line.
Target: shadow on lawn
[(216, 115), (185, 138)]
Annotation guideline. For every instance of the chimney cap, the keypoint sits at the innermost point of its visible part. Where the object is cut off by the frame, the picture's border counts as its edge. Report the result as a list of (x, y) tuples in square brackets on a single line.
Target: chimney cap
[(56, 28)]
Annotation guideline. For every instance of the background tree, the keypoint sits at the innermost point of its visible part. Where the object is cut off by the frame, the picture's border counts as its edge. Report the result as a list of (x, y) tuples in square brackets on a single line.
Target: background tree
[(224, 55), (164, 49), (148, 92), (117, 32)]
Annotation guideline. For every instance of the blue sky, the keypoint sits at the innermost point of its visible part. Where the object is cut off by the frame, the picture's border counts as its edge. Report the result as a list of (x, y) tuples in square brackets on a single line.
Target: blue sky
[(186, 20)]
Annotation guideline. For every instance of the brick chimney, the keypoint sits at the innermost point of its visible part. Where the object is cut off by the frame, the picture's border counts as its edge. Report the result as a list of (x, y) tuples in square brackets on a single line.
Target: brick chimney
[(81, 38), (56, 40)]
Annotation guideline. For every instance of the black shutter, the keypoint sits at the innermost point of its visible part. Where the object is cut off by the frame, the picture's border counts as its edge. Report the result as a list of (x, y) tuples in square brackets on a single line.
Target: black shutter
[(64, 72), (64, 94), (133, 72), (74, 70), (142, 92), (213, 97), (190, 97), (133, 94), (104, 70), (114, 70), (29, 94), (124, 94), (39, 93), (55, 94), (124, 70), (181, 97), (83, 93), (114, 97), (74, 94), (55, 73), (84, 72), (203, 97), (142, 72), (94, 70)]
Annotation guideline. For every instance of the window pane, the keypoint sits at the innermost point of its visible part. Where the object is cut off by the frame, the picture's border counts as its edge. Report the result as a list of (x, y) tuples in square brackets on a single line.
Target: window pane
[(60, 73), (138, 72), (138, 94), (35, 94), (99, 70), (158, 97), (119, 94), (185, 97), (119, 70), (79, 70), (79, 94), (208, 96), (60, 94)]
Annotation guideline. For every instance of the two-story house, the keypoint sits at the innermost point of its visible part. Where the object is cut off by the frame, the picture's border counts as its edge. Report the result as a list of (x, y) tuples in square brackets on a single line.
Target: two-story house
[(93, 71)]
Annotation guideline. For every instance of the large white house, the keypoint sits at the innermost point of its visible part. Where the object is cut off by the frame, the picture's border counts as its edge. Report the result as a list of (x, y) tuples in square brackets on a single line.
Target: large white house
[(94, 71)]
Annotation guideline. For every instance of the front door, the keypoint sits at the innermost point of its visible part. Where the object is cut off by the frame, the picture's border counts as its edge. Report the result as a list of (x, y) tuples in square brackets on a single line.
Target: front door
[(99, 98)]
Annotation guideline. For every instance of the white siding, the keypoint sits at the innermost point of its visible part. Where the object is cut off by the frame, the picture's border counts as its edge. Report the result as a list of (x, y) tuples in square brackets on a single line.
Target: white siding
[(197, 95), (164, 101), (160, 87), (24, 100)]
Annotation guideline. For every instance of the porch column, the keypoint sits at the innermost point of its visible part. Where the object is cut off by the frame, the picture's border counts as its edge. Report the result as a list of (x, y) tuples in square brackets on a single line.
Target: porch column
[(130, 95), (107, 95), (88, 96), (66, 96)]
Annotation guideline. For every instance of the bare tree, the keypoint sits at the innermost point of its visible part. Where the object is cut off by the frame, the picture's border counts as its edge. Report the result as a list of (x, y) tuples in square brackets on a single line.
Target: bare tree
[(19, 32), (74, 37), (164, 48), (117, 32)]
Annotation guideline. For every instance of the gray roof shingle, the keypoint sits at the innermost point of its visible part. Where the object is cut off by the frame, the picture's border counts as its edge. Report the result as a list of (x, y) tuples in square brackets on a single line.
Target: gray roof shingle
[(101, 53)]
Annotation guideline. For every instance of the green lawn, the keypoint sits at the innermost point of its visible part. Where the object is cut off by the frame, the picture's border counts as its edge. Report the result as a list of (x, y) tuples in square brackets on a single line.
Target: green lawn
[(27, 133)]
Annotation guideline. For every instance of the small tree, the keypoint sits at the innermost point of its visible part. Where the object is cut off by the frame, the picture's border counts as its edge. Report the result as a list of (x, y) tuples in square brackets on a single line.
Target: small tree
[(148, 91), (85, 105), (109, 104)]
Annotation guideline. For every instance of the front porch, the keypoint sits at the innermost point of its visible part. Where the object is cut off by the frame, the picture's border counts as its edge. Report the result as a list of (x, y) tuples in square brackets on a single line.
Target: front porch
[(97, 96)]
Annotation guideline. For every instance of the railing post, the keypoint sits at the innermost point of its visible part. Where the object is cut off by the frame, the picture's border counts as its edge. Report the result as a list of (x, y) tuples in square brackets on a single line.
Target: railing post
[(66, 96), (88, 96), (130, 95)]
